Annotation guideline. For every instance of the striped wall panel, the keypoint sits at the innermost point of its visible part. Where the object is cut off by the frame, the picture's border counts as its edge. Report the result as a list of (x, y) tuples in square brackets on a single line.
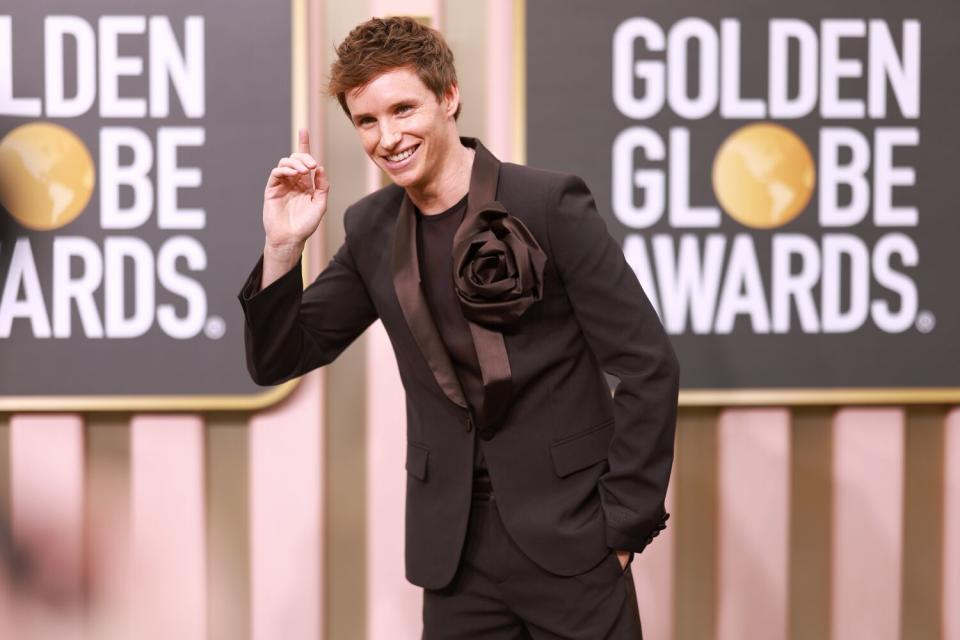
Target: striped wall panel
[(802, 524)]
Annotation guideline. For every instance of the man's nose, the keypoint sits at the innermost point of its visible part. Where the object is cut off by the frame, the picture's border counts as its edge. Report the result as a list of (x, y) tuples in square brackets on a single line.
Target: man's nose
[(389, 138)]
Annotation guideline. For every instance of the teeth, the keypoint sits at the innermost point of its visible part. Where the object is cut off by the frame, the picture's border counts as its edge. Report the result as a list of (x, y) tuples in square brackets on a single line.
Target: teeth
[(402, 155)]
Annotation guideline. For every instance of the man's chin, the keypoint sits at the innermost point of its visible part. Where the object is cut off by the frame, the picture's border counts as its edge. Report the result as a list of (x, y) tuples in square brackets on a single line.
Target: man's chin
[(402, 179)]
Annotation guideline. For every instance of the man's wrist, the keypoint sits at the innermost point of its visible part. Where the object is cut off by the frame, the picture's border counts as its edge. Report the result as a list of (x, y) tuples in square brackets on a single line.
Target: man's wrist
[(279, 260), (288, 252)]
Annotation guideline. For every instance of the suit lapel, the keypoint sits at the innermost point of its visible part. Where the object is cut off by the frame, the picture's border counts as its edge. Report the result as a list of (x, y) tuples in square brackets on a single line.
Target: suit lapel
[(406, 281), (489, 344)]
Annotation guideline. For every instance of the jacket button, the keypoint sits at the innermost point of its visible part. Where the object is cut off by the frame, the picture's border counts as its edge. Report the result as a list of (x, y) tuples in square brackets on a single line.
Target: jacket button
[(485, 433)]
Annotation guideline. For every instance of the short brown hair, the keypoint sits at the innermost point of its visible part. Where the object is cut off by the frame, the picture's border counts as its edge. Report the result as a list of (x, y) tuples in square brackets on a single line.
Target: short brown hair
[(381, 44)]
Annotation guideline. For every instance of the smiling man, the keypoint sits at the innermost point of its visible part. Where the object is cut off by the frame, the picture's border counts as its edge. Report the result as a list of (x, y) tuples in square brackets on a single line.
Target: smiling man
[(529, 488)]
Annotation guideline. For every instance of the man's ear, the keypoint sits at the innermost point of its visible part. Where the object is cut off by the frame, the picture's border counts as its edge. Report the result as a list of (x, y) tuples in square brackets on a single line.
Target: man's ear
[(451, 100)]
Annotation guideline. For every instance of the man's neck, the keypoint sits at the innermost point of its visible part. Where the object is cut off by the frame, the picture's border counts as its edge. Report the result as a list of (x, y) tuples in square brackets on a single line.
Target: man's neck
[(450, 186)]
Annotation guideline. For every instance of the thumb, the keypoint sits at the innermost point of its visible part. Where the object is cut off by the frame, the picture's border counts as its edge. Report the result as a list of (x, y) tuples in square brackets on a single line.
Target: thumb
[(320, 182)]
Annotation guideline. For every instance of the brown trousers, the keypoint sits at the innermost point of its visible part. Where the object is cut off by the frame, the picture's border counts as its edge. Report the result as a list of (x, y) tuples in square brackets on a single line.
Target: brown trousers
[(498, 593)]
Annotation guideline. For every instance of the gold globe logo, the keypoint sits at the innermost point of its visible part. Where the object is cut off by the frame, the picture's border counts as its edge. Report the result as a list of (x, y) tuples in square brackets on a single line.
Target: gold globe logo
[(763, 175), (46, 175)]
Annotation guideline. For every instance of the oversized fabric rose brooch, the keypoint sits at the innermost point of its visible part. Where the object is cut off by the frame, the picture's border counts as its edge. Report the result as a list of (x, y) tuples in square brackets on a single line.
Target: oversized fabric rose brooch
[(497, 267)]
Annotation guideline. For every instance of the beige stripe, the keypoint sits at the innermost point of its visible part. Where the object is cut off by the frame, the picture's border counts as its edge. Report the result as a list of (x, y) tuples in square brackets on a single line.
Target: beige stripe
[(922, 596), (345, 381), (464, 27), (299, 79), (695, 516), (519, 92), (810, 524), (107, 465), (502, 107), (228, 526), (107, 521), (4, 467), (108, 457), (345, 497), (7, 622)]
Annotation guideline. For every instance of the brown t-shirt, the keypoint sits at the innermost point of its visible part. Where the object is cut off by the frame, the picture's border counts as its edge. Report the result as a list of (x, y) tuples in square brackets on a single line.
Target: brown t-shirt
[(435, 252)]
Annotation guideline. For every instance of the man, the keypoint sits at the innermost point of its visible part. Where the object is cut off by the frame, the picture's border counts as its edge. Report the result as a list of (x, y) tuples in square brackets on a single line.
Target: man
[(505, 299)]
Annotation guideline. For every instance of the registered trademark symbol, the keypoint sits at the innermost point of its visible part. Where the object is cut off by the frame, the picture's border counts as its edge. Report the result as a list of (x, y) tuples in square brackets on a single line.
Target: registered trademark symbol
[(215, 327), (926, 321)]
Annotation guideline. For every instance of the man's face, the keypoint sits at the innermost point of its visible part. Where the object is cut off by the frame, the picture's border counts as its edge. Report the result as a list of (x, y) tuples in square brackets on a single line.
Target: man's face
[(403, 127)]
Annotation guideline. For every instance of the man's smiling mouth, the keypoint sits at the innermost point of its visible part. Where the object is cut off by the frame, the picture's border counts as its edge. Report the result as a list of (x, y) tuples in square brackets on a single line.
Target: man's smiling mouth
[(403, 155)]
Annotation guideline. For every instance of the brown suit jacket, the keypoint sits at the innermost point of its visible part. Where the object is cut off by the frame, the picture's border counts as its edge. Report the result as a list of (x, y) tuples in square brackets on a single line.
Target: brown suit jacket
[(576, 472)]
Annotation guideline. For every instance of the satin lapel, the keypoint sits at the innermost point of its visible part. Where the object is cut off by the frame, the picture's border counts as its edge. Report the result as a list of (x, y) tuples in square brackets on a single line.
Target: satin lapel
[(483, 180), (406, 282), (489, 344)]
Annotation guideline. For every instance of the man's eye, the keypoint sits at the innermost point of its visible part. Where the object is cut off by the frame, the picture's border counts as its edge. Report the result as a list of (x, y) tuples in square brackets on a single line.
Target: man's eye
[(404, 108), (365, 121)]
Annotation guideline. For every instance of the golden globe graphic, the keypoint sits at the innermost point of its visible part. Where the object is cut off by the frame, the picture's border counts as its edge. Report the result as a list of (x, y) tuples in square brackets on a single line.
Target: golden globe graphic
[(763, 175), (122, 231), (779, 180), (46, 175)]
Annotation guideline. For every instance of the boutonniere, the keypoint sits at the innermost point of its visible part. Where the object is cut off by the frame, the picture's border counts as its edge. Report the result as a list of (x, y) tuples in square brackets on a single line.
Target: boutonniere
[(497, 267)]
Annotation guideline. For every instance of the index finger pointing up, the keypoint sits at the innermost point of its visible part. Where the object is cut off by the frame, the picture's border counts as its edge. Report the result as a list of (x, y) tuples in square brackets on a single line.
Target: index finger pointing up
[(304, 140)]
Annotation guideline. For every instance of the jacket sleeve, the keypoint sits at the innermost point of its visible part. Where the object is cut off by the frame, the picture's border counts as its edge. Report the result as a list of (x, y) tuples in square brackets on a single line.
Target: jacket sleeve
[(290, 330), (623, 331)]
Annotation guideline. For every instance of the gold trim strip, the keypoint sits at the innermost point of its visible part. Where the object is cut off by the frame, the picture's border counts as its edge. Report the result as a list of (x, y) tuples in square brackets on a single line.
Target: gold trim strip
[(148, 403), (795, 397), (520, 81)]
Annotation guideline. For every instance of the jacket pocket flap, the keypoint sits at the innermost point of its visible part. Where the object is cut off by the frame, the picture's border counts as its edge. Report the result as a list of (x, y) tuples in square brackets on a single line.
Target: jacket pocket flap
[(417, 460), (582, 450)]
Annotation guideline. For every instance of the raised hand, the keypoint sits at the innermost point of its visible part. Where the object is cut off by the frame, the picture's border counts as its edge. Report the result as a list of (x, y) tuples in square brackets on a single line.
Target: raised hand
[(294, 202)]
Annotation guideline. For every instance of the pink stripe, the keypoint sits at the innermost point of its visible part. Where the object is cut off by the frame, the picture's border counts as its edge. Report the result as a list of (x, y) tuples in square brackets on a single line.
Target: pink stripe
[(753, 527), (394, 605), (286, 496), (499, 136), (868, 465), (46, 484), (416, 8), (167, 495), (653, 577), (951, 528)]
